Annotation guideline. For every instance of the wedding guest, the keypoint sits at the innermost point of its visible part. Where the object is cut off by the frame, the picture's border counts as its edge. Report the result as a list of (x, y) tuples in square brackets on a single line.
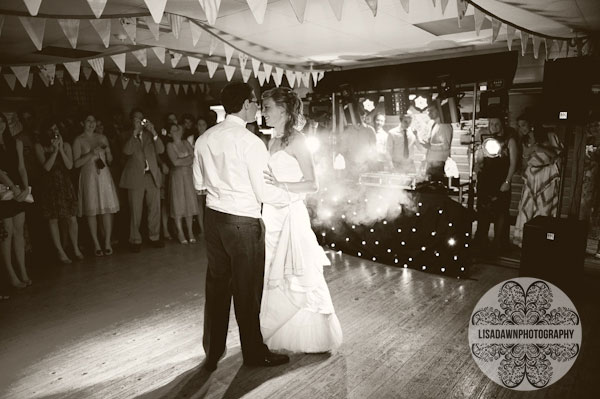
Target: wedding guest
[(541, 176), (437, 142), (182, 196), (358, 142), (14, 176), (57, 198), (402, 144), (201, 126), (163, 164), (141, 179), (188, 125), (494, 175), (97, 192), (381, 142)]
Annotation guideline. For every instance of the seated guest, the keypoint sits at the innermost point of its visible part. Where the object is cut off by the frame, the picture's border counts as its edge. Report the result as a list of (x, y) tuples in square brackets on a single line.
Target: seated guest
[(97, 192), (402, 144), (13, 175), (182, 195), (496, 159), (57, 198), (541, 176), (141, 179), (437, 141)]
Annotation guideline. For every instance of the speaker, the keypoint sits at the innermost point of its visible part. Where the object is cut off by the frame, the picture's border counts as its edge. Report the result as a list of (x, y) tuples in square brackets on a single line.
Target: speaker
[(554, 250), (567, 90)]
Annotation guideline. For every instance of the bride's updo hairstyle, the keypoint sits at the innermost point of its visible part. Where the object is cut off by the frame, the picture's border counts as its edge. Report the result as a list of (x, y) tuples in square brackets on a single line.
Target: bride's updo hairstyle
[(291, 103)]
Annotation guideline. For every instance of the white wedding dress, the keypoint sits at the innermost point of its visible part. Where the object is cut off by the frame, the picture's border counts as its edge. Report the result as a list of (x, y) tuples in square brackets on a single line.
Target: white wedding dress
[(296, 313)]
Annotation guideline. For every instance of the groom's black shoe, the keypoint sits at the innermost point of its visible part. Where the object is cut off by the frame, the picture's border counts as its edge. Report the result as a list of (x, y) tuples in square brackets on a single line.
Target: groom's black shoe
[(269, 359)]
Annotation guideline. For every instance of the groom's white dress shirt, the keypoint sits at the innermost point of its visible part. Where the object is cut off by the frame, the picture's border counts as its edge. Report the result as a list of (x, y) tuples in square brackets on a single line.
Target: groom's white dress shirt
[(229, 163)]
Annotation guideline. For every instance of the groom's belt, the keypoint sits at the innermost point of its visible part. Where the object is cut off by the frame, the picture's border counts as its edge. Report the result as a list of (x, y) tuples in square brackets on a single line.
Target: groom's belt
[(229, 218)]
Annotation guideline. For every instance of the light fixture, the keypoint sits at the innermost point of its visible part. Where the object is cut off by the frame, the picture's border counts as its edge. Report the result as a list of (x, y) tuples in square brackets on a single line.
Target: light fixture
[(451, 242), (376, 242), (385, 222), (389, 251), (359, 254), (313, 144), (443, 269), (372, 230), (374, 259), (347, 239), (414, 229), (424, 267), (323, 234), (364, 243), (491, 148), (403, 243), (433, 233), (332, 245)]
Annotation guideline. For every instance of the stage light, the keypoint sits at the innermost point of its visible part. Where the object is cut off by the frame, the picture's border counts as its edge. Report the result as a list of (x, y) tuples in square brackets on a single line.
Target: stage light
[(455, 257), (399, 230), (403, 243), (323, 234), (389, 251), (433, 233), (395, 260), (410, 259), (420, 204), (376, 242), (332, 245), (467, 234), (462, 269), (343, 216), (423, 249), (424, 267), (313, 144), (333, 229), (437, 253), (347, 239), (354, 213), (491, 148), (372, 231), (359, 254), (443, 269), (364, 243), (353, 226), (414, 230), (366, 200), (385, 222), (466, 245), (418, 214), (451, 242), (405, 265), (450, 224), (374, 259)]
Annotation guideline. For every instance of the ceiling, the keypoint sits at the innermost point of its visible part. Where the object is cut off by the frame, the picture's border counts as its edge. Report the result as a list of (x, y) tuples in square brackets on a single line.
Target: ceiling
[(321, 42)]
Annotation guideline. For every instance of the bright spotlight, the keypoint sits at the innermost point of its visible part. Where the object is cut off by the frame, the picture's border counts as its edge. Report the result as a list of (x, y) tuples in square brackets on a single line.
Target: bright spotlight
[(313, 144), (451, 242), (491, 148)]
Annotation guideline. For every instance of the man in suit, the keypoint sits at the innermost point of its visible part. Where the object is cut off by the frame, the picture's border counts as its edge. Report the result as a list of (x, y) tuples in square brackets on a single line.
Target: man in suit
[(402, 145), (229, 163), (141, 179)]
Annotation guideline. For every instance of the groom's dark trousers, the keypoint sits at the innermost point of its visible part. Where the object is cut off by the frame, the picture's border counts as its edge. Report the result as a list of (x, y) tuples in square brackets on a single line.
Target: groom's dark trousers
[(236, 265)]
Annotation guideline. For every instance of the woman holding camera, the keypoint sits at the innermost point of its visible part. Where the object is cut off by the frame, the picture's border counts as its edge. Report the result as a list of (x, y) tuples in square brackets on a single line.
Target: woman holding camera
[(97, 192), (58, 199)]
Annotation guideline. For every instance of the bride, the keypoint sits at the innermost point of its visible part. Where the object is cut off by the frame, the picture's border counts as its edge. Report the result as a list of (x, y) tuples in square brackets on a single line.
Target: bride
[(296, 313)]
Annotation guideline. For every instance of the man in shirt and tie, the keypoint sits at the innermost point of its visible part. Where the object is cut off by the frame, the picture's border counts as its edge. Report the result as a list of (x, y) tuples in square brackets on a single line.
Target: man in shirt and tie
[(437, 142), (229, 164), (141, 179), (402, 144)]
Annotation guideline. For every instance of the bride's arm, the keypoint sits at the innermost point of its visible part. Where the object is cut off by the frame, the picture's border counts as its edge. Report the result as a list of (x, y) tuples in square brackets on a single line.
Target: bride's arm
[(309, 183)]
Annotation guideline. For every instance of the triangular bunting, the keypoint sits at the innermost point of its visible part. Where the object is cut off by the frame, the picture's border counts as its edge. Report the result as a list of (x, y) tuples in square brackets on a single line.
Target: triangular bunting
[(176, 22), (291, 77), (11, 80), (255, 66), (113, 79), (98, 65), (536, 46), (186, 87), (142, 56), (306, 79), (278, 77), (298, 78), (73, 68), (245, 74), (130, 27), (212, 67), (299, 7), (100, 79), (102, 26), (444, 5), (548, 49), (211, 9), (315, 77), (157, 86), (44, 79), (119, 60), (373, 6), (22, 74), (176, 88), (524, 40), (510, 34), (479, 18), (228, 52), (268, 69), (229, 71), (175, 57), (70, 28), (243, 57), (97, 7), (496, 25), (196, 32), (214, 41), (461, 10), (48, 72), (167, 88), (33, 6), (153, 27), (35, 29), (193, 62), (336, 7), (156, 8), (258, 8), (405, 5), (124, 82), (147, 86), (160, 53), (261, 77), (60, 75), (321, 75), (87, 72), (30, 81)]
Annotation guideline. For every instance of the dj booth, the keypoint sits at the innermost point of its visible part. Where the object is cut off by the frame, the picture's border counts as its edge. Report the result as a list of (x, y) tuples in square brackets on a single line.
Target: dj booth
[(387, 218)]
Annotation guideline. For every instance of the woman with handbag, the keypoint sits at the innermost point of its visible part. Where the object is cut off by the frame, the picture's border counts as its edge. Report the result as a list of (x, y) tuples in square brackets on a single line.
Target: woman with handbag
[(97, 192), (13, 205)]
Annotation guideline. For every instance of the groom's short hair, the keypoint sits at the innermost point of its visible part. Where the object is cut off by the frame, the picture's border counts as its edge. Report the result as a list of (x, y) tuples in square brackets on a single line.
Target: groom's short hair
[(233, 96)]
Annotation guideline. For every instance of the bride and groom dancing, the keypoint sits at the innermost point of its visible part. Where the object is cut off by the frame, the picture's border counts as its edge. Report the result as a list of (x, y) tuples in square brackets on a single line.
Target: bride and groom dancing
[(271, 266)]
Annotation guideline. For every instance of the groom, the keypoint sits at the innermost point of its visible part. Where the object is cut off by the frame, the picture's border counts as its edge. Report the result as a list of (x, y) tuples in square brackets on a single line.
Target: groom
[(229, 164)]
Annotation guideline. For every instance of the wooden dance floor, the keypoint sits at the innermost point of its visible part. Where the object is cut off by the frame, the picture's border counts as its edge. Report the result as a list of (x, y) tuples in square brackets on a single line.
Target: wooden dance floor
[(130, 325)]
